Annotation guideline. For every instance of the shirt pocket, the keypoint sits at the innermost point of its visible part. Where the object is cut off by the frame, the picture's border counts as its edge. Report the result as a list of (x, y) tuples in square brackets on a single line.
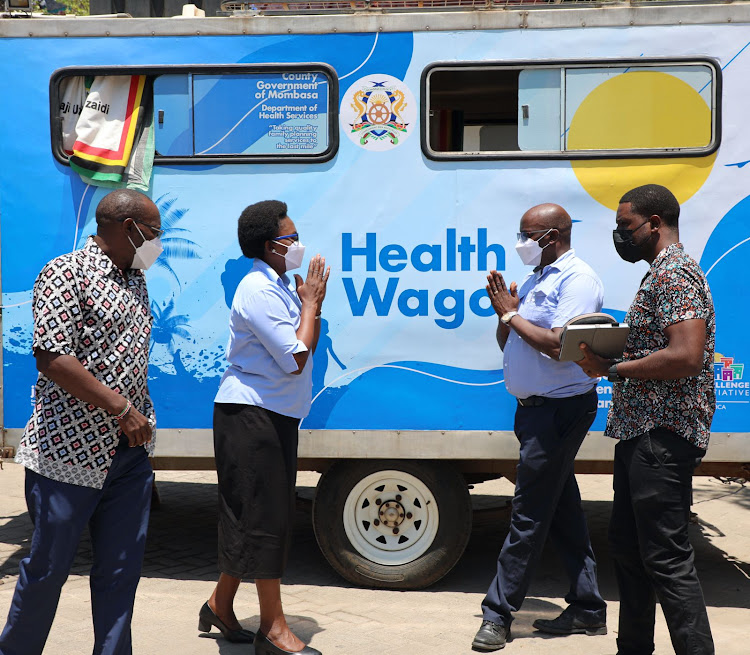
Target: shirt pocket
[(540, 305)]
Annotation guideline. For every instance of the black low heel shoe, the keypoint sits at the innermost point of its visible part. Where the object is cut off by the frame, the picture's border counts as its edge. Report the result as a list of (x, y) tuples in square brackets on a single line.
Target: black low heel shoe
[(264, 646), (207, 618)]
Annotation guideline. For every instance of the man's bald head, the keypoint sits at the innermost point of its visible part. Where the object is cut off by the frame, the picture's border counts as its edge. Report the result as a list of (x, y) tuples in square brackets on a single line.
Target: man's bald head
[(121, 204), (124, 220), (549, 225), (548, 216)]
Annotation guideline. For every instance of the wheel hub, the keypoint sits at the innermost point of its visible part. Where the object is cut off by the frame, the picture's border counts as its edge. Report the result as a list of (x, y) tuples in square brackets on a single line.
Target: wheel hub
[(391, 513), (390, 517)]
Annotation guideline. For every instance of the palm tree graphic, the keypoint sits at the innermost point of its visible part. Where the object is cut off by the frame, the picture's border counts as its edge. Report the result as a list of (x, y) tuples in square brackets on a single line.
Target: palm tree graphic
[(175, 245), (167, 326)]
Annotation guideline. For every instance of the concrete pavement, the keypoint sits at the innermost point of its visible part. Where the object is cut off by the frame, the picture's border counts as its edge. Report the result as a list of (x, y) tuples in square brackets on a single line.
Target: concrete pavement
[(179, 574)]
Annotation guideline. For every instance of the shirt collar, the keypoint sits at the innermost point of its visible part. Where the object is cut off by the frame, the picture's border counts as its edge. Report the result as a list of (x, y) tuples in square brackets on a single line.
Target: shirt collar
[(102, 262), (262, 267), (560, 264), (96, 254), (667, 253)]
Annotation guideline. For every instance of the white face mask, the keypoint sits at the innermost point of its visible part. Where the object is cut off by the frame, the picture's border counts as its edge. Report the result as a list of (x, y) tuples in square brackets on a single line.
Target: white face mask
[(147, 253), (294, 255), (530, 251)]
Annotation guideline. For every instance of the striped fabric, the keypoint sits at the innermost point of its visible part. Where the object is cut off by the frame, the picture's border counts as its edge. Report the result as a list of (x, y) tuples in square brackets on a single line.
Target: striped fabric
[(110, 121)]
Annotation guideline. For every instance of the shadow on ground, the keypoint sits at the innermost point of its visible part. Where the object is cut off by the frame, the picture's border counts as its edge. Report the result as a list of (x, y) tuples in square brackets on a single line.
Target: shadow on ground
[(182, 545)]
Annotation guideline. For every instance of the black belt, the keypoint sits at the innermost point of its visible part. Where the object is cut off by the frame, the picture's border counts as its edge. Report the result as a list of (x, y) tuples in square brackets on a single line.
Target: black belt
[(532, 401), (537, 401)]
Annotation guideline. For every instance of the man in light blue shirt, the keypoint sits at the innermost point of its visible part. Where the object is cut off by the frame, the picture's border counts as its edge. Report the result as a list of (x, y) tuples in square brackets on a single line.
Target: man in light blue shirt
[(556, 407), (549, 297)]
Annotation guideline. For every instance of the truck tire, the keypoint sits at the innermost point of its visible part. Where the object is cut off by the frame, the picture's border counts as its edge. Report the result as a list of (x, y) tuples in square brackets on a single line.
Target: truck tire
[(393, 524)]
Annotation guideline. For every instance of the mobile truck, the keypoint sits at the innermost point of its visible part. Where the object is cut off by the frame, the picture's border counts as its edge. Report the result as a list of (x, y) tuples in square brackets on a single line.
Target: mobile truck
[(407, 138)]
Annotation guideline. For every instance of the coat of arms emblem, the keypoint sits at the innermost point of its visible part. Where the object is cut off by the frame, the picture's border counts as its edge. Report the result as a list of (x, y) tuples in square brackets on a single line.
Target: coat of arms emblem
[(378, 112)]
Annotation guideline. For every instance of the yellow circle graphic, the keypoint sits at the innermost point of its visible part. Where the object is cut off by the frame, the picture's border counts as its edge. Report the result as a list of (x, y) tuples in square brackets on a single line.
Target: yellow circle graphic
[(635, 110)]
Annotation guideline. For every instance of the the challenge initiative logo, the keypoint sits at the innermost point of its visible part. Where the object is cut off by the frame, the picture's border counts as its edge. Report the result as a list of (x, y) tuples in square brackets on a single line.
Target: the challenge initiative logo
[(726, 370), (730, 387), (378, 112)]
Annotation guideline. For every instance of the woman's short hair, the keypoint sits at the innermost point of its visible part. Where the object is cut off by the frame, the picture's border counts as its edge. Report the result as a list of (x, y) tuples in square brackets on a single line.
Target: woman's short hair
[(259, 223)]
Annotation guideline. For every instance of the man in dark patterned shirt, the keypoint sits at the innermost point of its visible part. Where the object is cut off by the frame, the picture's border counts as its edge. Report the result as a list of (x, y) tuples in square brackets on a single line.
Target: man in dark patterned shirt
[(86, 445), (662, 406)]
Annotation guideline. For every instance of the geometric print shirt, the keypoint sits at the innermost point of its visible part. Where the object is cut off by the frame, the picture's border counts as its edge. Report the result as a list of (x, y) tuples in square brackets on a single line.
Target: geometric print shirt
[(674, 290), (85, 307)]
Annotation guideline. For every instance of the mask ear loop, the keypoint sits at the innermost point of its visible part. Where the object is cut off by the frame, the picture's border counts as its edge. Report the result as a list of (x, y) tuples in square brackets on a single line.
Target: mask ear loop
[(281, 244), (544, 235), (139, 232)]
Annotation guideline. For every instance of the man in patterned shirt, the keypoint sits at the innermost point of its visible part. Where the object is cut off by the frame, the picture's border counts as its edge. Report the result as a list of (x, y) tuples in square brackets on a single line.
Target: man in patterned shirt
[(86, 445), (662, 406)]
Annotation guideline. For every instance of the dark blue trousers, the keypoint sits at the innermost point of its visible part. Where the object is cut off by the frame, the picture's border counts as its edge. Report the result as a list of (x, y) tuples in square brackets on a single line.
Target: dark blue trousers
[(547, 502), (117, 516)]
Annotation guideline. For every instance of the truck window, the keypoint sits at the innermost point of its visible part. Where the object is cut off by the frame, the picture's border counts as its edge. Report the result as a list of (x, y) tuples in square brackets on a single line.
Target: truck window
[(234, 113), (571, 110)]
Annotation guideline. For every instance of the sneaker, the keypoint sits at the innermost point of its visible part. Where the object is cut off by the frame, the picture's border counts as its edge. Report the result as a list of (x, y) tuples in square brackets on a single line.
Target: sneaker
[(491, 636)]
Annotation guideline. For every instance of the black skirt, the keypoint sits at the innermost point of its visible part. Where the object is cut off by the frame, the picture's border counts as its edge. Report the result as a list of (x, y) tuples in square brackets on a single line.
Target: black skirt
[(256, 462)]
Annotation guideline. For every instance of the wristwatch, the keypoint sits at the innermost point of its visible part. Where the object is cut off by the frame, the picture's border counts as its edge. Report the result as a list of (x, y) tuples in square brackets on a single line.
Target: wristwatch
[(508, 317), (613, 375)]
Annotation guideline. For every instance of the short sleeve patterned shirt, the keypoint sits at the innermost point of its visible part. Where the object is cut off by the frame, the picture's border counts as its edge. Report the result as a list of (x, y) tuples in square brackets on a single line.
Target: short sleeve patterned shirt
[(674, 290), (85, 307)]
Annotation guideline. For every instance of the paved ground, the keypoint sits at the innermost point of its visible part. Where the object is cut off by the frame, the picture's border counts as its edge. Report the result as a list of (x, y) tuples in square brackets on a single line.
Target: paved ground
[(179, 573)]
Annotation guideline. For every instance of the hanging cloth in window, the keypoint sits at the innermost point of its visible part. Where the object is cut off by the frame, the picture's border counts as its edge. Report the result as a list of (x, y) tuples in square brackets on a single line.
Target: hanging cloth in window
[(111, 121), (137, 174), (72, 99)]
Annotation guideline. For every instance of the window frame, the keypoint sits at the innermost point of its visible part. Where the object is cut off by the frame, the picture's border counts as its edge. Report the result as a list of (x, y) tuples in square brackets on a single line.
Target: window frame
[(567, 155), (206, 69)]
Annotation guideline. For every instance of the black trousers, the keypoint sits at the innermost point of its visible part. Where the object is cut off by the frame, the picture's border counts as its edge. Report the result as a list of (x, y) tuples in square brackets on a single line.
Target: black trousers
[(652, 554)]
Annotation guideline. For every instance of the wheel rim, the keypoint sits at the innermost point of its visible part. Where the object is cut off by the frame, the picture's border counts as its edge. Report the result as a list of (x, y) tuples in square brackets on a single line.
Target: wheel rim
[(391, 517)]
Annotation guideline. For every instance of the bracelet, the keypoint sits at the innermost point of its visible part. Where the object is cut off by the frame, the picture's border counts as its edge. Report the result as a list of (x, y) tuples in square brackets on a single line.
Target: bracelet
[(124, 412), (317, 316)]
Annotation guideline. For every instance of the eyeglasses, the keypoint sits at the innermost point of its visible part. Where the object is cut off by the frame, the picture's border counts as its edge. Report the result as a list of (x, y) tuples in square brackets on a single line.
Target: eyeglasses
[(156, 230), (294, 237), (523, 236)]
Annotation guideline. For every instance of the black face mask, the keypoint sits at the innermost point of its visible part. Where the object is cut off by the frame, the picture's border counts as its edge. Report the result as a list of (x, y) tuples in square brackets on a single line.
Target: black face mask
[(624, 245)]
